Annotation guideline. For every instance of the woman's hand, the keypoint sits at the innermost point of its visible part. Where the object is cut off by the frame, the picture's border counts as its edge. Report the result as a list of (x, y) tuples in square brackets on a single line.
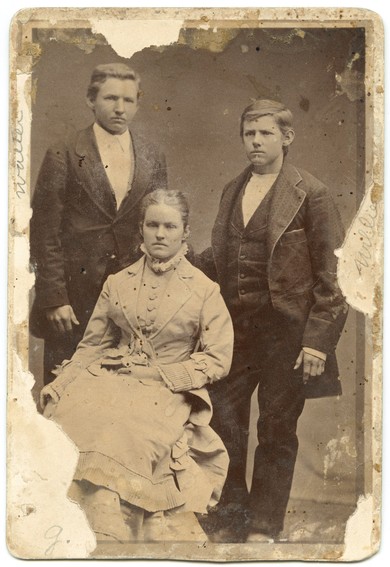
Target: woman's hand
[(48, 395), (50, 408), (47, 403)]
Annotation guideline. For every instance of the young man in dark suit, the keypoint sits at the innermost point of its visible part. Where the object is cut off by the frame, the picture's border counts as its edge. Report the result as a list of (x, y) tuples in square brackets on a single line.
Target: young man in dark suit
[(272, 253), (85, 211)]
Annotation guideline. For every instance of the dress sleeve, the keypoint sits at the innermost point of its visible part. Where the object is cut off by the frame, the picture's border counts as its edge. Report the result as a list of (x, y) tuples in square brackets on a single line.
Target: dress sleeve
[(160, 177), (205, 262), (213, 359), (101, 334)]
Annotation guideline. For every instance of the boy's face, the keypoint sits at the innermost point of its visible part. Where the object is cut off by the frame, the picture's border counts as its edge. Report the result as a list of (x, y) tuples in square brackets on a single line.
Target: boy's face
[(264, 142), (115, 105)]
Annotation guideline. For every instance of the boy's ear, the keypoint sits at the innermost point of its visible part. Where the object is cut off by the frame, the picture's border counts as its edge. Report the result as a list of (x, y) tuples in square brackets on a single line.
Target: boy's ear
[(90, 104), (288, 137)]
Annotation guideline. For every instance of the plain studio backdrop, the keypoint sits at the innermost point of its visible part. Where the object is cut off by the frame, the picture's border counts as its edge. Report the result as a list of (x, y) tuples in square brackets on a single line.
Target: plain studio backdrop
[(193, 93)]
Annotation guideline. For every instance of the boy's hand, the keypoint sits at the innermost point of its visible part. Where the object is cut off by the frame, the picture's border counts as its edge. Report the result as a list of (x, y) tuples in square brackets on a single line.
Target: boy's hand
[(61, 319), (312, 365)]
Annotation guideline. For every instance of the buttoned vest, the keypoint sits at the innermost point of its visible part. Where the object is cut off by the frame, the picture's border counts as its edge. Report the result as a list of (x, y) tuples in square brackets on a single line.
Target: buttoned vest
[(246, 284)]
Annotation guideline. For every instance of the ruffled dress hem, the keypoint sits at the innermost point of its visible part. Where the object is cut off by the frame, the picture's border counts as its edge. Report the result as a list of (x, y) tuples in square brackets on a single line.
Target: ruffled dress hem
[(129, 485)]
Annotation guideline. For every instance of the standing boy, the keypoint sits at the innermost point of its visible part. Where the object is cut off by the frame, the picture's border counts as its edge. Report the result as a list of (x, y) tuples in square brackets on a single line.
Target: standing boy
[(85, 211), (272, 252)]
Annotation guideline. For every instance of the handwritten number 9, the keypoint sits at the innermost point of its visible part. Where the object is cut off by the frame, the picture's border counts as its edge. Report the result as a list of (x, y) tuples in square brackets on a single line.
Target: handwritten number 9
[(53, 533)]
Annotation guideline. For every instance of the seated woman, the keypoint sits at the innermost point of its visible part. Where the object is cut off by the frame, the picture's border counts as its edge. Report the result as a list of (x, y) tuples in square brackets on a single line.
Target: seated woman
[(133, 396)]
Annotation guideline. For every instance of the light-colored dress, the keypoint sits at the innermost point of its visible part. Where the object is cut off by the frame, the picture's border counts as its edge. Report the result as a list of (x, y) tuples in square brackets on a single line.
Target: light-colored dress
[(146, 440)]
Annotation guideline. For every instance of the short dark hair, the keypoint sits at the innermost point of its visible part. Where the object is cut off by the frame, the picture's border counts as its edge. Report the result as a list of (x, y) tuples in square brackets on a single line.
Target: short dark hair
[(175, 199), (265, 107), (110, 70)]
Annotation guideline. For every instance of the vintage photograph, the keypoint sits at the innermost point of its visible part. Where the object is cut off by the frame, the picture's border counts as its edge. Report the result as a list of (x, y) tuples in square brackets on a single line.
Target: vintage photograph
[(195, 339)]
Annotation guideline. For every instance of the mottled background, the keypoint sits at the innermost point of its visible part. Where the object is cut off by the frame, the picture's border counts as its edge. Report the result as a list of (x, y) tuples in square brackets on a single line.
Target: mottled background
[(193, 93)]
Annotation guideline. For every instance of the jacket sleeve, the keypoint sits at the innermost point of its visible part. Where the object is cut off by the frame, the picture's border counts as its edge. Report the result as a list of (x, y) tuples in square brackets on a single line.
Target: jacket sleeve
[(101, 334), (325, 234), (213, 359), (205, 262), (160, 176), (45, 230)]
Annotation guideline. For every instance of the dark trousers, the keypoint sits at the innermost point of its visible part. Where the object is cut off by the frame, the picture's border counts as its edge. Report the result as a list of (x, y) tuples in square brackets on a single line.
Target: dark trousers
[(264, 355), (59, 347)]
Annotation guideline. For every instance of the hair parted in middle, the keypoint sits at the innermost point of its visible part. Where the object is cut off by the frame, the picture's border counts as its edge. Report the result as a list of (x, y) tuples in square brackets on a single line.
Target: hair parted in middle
[(174, 199)]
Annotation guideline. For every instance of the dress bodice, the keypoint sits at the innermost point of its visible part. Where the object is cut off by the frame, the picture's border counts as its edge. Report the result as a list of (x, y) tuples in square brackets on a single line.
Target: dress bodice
[(151, 294)]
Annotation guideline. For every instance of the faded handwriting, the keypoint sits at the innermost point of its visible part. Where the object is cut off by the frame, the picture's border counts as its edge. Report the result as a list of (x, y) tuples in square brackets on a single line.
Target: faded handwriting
[(364, 257), (53, 534), (18, 141)]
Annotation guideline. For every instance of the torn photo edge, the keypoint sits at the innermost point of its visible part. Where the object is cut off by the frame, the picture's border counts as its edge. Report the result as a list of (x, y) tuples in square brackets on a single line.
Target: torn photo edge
[(27, 430)]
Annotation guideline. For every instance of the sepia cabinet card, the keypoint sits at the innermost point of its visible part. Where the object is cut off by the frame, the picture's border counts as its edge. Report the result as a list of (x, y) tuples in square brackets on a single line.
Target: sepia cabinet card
[(195, 72)]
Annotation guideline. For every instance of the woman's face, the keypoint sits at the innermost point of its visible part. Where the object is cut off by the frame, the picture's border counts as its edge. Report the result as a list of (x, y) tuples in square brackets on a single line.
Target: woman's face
[(163, 231)]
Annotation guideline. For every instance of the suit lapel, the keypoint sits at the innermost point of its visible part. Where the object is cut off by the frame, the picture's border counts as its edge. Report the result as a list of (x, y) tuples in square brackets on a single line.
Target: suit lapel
[(141, 179), (91, 173), (176, 294), (287, 199), (224, 216)]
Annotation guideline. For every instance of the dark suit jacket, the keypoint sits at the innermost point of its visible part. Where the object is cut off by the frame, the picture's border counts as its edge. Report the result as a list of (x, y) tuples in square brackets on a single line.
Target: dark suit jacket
[(304, 229), (77, 235)]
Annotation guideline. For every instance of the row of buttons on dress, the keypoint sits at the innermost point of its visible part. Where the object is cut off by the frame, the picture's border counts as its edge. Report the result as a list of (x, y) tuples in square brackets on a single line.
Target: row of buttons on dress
[(151, 309)]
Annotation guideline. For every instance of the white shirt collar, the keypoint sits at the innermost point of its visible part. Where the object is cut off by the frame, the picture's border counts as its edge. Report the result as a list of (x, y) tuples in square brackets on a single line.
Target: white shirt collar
[(105, 138)]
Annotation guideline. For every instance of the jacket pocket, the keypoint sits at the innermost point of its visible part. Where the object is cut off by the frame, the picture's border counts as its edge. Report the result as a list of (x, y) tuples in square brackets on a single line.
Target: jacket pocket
[(293, 236), (291, 270)]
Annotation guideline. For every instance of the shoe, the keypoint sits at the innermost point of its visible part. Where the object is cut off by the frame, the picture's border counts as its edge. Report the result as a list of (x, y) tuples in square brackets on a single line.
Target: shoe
[(226, 535), (259, 537)]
